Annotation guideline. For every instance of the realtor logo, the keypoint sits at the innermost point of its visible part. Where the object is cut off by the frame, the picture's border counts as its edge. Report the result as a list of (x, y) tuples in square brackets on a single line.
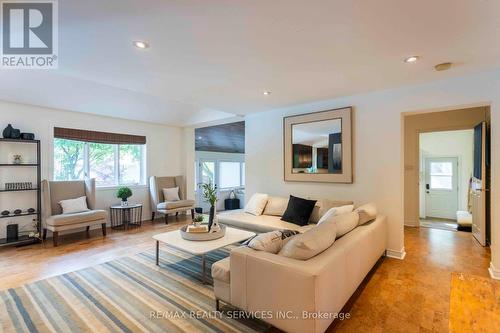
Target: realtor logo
[(29, 34)]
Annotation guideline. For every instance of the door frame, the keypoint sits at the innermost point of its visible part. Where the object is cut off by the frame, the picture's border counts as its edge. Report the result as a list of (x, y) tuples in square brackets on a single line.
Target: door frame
[(415, 122), (423, 175)]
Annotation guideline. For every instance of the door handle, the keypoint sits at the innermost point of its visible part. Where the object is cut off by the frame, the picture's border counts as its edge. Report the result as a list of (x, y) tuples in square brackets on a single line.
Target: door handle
[(427, 187)]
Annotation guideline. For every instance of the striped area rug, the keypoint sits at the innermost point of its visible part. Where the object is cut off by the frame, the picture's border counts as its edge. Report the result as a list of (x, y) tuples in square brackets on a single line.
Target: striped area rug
[(130, 294)]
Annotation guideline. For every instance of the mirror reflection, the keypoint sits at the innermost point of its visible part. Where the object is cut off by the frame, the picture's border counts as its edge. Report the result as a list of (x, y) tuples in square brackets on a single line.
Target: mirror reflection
[(317, 147)]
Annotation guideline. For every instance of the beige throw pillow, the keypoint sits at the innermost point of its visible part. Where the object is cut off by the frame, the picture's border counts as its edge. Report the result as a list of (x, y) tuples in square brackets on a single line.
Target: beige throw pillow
[(310, 243), (171, 194), (336, 211), (345, 223), (275, 206), (367, 213), (72, 206), (256, 204), (323, 205)]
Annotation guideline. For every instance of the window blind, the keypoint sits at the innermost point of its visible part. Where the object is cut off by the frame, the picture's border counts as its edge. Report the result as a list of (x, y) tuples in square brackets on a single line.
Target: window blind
[(98, 137)]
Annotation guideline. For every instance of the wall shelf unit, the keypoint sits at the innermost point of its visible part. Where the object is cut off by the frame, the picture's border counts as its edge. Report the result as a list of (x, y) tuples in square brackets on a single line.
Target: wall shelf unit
[(24, 239)]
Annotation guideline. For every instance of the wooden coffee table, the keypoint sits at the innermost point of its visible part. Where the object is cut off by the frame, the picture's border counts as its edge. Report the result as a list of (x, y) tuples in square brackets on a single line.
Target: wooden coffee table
[(174, 239)]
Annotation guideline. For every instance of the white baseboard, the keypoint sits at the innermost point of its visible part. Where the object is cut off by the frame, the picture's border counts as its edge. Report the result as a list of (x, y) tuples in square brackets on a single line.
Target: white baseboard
[(494, 272), (396, 254)]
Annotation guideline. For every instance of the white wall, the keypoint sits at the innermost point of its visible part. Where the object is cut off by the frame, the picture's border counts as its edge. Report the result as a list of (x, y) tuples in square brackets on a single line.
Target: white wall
[(377, 144), (163, 149), (458, 144)]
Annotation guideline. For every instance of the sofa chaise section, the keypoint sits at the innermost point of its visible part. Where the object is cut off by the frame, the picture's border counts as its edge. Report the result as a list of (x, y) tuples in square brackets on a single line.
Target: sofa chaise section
[(260, 281)]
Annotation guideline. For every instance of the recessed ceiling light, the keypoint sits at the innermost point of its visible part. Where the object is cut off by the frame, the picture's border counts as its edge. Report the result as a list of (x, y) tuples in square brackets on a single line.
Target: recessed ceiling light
[(267, 93), (411, 59), (141, 44), (199, 138)]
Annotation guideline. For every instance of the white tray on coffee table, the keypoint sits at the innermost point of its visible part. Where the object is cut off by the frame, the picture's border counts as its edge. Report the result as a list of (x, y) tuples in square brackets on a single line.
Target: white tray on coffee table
[(175, 240)]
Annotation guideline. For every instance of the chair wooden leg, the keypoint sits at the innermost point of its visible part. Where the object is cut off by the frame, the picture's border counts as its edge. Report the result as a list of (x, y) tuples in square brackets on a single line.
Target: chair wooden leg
[(44, 234), (192, 214), (55, 237), (152, 216), (103, 225), (166, 218), (87, 231)]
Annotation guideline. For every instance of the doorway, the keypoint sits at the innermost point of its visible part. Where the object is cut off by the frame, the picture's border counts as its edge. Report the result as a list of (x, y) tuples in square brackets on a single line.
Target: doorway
[(446, 163), (441, 185)]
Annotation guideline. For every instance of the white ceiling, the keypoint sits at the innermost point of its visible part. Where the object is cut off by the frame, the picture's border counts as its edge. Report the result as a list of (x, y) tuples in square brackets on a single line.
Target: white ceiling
[(316, 133), (211, 60)]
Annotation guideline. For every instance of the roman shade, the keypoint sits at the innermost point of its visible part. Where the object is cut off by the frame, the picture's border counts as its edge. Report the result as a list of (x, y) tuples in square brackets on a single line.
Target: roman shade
[(98, 137)]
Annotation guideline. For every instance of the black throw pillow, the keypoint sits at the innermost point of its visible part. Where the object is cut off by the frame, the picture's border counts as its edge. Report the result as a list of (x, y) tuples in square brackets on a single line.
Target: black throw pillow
[(298, 210)]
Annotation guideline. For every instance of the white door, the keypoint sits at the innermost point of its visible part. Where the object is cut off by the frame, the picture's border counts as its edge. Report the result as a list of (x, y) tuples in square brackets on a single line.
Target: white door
[(206, 175), (441, 187)]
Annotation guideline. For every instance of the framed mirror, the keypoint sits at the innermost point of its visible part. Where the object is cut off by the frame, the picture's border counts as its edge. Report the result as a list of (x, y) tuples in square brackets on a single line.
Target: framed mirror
[(318, 146)]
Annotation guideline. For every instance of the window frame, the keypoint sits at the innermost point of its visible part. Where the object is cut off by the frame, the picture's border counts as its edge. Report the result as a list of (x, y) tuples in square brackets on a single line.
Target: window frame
[(117, 176)]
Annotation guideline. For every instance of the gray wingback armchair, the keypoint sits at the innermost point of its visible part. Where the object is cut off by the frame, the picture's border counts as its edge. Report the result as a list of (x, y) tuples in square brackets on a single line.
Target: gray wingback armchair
[(158, 203), (54, 220)]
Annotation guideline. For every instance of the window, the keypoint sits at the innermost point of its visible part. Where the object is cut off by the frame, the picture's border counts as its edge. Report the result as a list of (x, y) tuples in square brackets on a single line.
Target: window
[(441, 175), (230, 173), (109, 164)]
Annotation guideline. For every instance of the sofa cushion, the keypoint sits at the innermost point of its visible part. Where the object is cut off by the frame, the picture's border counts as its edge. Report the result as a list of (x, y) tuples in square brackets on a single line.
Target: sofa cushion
[(275, 206), (310, 243), (298, 210), (175, 204), (367, 213), (336, 211), (76, 218), (221, 270), (345, 223), (256, 204), (272, 241), (263, 223), (323, 205)]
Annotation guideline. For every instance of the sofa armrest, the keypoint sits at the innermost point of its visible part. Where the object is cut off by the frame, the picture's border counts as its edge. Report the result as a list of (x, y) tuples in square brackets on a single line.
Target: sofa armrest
[(262, 281)]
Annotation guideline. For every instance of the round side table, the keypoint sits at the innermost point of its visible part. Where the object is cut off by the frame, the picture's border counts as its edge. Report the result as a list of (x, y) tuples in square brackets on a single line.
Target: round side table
[(125, 216)]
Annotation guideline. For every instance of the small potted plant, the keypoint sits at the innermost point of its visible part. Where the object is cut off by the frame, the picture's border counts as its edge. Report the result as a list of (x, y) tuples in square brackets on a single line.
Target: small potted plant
[(124, 193), (198, 219)]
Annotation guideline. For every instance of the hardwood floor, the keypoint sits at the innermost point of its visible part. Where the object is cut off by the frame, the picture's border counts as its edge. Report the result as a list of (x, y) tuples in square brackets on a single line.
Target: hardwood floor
[(75, 251), (411, 295)]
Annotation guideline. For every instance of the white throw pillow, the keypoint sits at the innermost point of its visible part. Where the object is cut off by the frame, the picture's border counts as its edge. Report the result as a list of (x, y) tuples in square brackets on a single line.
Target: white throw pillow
[(272, 241), (171, 194), (256, 204), (345, 222), (275, 206), (367, 213), (336, 211), (77, 205), (310, 243)]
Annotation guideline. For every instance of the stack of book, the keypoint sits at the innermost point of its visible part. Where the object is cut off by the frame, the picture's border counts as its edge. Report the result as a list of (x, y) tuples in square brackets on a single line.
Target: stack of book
[(197, 229)]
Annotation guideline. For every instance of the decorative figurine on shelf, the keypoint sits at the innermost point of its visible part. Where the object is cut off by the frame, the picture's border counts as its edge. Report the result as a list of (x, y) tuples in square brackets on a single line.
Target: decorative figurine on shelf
[(7, 132), (124, 193), (17, 159), (210, 196)]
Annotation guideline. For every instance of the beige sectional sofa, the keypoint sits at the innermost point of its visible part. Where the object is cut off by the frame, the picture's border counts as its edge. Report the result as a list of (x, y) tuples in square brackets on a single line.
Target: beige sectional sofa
[(299, 295)]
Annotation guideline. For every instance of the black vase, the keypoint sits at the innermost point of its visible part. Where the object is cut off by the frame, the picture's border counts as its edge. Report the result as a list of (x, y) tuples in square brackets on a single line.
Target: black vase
[(211, 217), (7, 132)]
